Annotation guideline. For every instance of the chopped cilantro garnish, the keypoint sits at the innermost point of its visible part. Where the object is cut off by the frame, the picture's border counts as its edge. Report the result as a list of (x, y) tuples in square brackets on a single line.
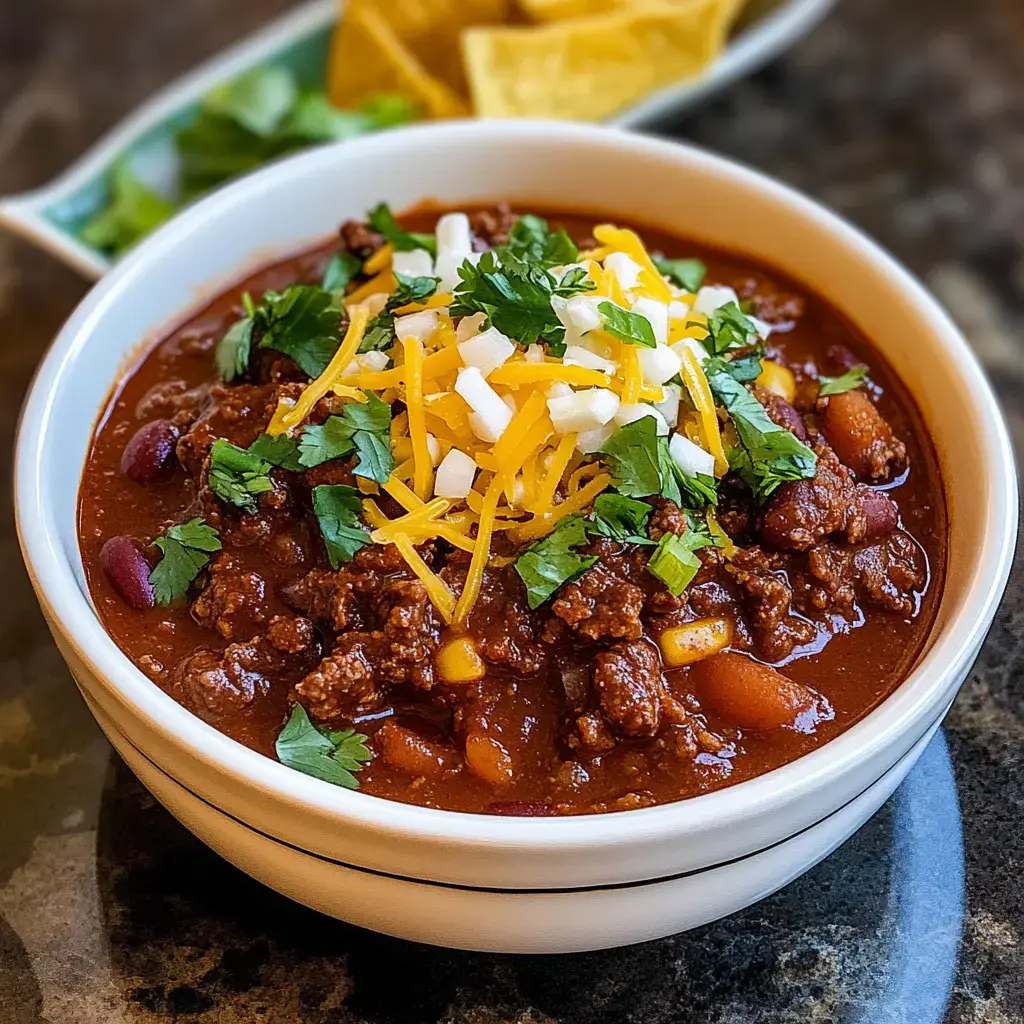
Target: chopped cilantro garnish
[(237, 476), (302, 322), (674, 563), (362, 428), (688, 274), (341, 268), (745, 369), (621, 518), (133, 210), (853, 378), (337, 508), (531, 239), (380, 331), (631, 328), (382, 220), (767, 455), (331, 756), (185, 550), (729, 329), (515, 296), (278, 451), (551, 562), (231, 356)]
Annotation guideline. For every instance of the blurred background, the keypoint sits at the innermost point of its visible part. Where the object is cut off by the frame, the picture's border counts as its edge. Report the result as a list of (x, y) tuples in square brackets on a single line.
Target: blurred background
[(908, 118)]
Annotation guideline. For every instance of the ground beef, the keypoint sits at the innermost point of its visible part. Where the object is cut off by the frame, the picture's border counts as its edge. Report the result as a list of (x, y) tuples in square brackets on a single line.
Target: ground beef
[(667, 517), (768, 597), (359, 238), (173, 400), (233, 601), (631, 690), (781, 310), (214, 684), (887, 574), (601, 605), (490, 227), (802, 512)]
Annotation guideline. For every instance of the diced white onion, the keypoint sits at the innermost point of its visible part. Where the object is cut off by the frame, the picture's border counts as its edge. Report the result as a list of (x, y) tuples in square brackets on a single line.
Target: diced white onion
[(373, 362), (374, 303), (577, 355), (419, 325), (453, 234), (455, 475), (418, 263), (669, 405), (691, 458), (559, 390), (583, 410), (763, 329), (487, 351), (678, 310), (490, 414), (447, 268), (658, 365), (433, 449), (469, 326), (690, 345), (534, 354), (656, 314), (590, 441), (630, 412), (578, 313), (511, 403), (625, 268), (712, 297)]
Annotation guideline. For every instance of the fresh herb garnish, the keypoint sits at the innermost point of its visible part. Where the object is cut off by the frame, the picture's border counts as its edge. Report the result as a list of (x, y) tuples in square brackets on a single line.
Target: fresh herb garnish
[(237, 476), (337, 508), (304, 323), (768, 455), (673, 561), (361, 428), (185, 550), (531, 239), (341, 268), (744, 369), (331, 756), (133, 209), (688, 274), (515, 296), (382, 220), (380, 331), (233, 351), (729, 329), (552, 561), (631, 328), (621, 518), (853, 378), (278, 451)]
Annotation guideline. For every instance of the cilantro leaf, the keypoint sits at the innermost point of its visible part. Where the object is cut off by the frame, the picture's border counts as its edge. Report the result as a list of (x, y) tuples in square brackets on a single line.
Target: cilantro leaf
[(302, 322), (621, 518), (532, 240), (514, 295), (382, 220), (331, 756), (729, 329), (258, 100), (231, 356), (745, 369), (330, 440), (551, 562), (674, 562), (237, 476), (632, 455), (185, 549), (363, 427), (631, 328), (853, 378), (337, 508), (768, 454), (375, 459), (132, 210), (688, 274), (341, 268), (278, 451), (380, 331)]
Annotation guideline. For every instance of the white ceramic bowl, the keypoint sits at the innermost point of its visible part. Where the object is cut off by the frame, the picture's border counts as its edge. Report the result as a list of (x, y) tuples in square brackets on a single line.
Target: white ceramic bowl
[(493, 882)]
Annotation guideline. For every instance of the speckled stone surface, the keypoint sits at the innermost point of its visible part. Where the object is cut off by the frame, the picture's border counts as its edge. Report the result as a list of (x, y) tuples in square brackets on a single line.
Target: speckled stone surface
[(908, 117)]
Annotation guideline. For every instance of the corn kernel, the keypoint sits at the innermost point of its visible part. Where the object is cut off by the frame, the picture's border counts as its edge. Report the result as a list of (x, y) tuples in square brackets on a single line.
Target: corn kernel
[(683, 645), (459, 662), (778, 379)]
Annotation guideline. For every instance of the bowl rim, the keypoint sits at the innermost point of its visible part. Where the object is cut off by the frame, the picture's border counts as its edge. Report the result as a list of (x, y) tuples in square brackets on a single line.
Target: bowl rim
[(913, 703)]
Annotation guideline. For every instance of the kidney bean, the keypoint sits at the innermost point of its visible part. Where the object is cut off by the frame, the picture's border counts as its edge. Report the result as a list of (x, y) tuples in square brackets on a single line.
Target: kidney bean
[(128, 570), (881, 513), (149, 455), (781, 413), (749, 694)]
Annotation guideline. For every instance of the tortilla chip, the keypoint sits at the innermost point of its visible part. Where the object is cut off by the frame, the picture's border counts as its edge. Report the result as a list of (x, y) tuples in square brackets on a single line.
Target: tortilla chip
[(586, 69), (430, 30), (560, 10), (367, 59)]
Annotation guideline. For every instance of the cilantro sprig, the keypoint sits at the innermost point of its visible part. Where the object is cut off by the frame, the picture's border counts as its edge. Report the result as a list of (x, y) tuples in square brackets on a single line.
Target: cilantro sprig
[(729, 328), (382, 220), (185, 551), (380, 331), (363, 428), (552, 561), (852, 379), (620, 518), (332, 756), (337, 508), (340, 269), (237, 476), (133, 210), (532, 239), (631, 328), (687, 273)]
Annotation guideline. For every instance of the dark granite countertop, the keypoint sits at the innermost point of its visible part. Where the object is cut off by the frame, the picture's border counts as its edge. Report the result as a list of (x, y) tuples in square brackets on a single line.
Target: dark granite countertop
[(908, 117)]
